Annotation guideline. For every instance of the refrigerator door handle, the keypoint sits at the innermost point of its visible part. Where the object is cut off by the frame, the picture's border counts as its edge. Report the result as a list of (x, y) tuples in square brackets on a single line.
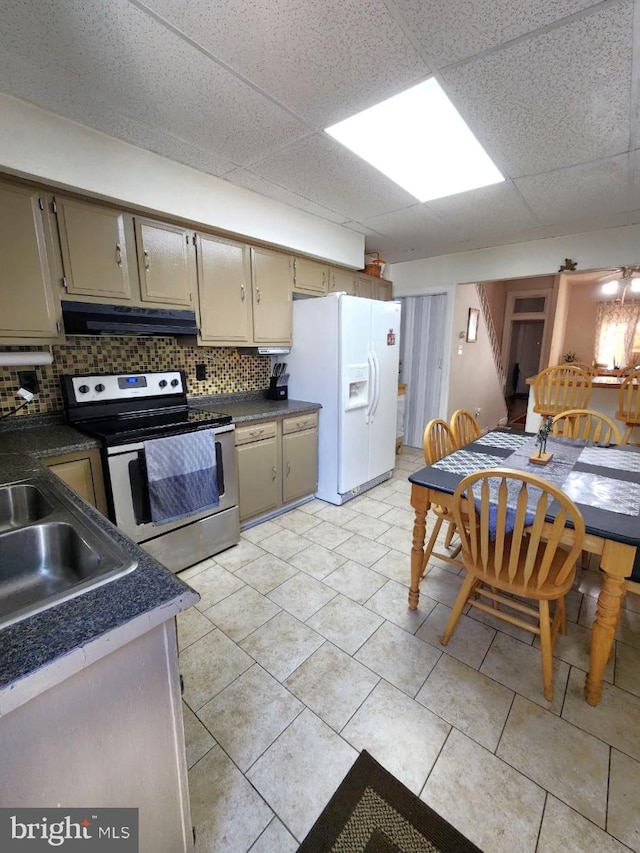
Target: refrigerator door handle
[(372, 378), (376, 384)]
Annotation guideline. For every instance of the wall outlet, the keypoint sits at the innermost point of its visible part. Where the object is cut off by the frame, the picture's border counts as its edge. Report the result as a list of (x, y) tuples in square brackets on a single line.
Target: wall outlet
[(201, 372), (28, 379)]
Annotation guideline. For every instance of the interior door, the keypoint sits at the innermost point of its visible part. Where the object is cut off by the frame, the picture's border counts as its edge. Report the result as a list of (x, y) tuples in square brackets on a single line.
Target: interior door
[(526, 348), (422, 356), (355, 386)]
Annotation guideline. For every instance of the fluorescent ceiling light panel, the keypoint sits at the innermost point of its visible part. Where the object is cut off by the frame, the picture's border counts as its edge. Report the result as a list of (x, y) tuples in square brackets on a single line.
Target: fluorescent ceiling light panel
[(419, 140)]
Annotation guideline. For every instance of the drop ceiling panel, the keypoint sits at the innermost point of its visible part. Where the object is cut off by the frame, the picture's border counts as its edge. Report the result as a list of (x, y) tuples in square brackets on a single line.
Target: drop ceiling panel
[(635, 179), (554, 99), (456, 29), (590, 190), (325, 61), (416, 227), (325, 172), (388, 248), (124, 57), (250, 181), (481, 212)]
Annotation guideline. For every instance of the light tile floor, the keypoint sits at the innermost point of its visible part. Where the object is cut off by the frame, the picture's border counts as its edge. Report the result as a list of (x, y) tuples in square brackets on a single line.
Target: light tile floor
[(302, 652)]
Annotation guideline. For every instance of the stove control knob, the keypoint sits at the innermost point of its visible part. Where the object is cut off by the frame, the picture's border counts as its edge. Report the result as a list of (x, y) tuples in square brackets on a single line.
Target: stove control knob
[(174, 382), (163, 383), (83, 389), (99, 387)]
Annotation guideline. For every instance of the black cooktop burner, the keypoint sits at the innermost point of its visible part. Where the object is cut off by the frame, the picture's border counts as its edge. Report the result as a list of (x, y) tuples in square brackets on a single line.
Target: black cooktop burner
[(127, 428)]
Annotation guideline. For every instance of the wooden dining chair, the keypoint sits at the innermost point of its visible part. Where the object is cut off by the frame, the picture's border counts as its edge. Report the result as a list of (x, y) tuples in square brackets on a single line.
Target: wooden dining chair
[(586, 424), (465, 427), (629, 403), (439, 441), (512, 554), (588, 368), (557, 389)]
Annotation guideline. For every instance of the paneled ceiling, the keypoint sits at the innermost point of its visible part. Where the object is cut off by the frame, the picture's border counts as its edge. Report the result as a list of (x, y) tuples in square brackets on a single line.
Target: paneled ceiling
[(242, 89)]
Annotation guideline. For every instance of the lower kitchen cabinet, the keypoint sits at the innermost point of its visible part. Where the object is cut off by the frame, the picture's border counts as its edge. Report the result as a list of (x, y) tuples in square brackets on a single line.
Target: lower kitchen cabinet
[(299, 457), (257, 448), (277, 463), (82, 472)]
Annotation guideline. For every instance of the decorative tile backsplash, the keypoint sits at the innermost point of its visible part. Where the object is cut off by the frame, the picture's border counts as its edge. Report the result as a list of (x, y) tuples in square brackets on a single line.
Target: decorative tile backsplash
[(227, 371)]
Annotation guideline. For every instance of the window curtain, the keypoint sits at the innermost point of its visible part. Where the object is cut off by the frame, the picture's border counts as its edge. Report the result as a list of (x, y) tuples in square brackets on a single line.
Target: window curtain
[(615, 330)]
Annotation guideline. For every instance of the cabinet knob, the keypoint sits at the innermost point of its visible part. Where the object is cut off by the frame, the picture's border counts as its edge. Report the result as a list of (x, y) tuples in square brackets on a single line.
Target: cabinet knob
[(242, 292), (118, 255), (274, 473), (146, 260), (257, 294), (288, 468)]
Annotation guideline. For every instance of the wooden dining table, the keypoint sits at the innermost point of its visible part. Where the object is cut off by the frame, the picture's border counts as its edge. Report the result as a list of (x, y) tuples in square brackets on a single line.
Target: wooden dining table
[(604, 481)]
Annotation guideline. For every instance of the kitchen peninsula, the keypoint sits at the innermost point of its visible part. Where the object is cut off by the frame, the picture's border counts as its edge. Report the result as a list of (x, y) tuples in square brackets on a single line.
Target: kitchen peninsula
[(90, 705)]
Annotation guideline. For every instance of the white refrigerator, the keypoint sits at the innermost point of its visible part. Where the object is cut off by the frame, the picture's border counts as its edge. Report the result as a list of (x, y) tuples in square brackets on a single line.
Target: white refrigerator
[(345, 356)]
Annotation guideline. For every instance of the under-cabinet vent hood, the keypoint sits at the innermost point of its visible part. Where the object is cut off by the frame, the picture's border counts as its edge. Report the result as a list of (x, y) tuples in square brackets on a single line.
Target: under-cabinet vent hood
[(264, 350), (90, 318)]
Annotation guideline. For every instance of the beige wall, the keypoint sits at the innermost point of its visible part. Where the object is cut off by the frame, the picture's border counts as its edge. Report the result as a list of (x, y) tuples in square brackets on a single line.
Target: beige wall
[(580, 330), (473, 381)]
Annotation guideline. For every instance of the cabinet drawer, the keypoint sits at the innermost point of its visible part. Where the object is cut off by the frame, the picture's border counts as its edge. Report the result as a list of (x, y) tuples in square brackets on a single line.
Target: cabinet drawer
[(256, 432), (299, 423)]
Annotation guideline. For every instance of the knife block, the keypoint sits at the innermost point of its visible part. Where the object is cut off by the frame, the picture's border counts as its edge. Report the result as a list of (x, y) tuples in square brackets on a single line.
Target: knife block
[(275, 391)]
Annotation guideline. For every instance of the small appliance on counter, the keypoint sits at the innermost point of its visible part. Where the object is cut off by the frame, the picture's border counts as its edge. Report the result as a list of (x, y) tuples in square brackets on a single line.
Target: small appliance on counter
[(278, 388)]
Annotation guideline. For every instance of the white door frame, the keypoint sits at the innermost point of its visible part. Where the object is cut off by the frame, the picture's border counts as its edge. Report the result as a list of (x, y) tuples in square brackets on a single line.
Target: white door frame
[(510, 317)]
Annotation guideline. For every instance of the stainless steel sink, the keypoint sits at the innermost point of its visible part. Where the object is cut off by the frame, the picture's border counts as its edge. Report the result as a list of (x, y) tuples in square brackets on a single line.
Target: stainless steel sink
[(20, 505), (50, 551)]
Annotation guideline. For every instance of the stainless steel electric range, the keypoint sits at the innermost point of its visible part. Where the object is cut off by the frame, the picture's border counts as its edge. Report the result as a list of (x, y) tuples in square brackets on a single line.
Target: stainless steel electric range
[(126, 410)]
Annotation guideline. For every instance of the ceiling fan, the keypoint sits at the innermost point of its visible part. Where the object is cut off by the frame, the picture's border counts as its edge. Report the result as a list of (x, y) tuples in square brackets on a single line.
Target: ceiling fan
[(629, 278)]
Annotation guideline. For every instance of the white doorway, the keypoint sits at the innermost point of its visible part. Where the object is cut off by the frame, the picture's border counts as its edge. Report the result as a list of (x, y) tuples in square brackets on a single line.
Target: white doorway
[(524, 354), (524, 339), (422, 361)]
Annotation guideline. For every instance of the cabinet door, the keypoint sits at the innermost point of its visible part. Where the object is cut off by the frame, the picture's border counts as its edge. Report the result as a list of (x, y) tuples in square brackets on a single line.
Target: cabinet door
[(310, 276), (165, 263), (82, 472), (224, 289), (94, 250), (342, 281), (364, 287), (384, 291), (27, 304), (272, 280), (258, 477), (299, 464)]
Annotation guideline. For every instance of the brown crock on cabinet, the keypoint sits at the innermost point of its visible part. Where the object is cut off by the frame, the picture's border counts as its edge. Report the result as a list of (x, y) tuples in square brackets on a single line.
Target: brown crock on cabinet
[(29, 310), (82, 472), (277, 463)]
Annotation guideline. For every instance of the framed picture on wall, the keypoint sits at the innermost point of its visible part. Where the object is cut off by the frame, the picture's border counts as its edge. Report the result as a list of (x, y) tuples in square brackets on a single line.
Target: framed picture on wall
[(472, 325)]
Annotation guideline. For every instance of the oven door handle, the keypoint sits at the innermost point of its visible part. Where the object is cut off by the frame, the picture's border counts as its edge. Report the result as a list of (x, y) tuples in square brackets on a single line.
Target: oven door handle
[(140, 488)]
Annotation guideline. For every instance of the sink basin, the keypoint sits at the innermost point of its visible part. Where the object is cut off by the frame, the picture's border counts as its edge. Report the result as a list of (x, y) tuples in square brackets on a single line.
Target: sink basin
[(20, 505), (50, 551)]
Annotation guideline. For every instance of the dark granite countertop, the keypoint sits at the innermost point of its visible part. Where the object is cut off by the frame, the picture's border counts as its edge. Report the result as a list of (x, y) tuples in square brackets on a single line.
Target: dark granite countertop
[(252, 406), (46, 648)]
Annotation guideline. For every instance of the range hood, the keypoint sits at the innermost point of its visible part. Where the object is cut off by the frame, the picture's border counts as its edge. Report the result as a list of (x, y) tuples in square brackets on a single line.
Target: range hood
[(90, 318), (266, 350)]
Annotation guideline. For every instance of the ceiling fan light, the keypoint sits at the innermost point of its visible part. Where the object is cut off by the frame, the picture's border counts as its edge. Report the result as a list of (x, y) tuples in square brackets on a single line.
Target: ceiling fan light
[(610, 287), (635, 285)]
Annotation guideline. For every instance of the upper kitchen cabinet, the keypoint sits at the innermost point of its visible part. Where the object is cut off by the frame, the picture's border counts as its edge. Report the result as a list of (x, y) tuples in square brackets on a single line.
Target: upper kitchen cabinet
[(310, 277), (165, 263), (98, 252), (364, 286), (29, 311), (272, 283), (224, 290), (372, 287), (342, 281), (384, 291)]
